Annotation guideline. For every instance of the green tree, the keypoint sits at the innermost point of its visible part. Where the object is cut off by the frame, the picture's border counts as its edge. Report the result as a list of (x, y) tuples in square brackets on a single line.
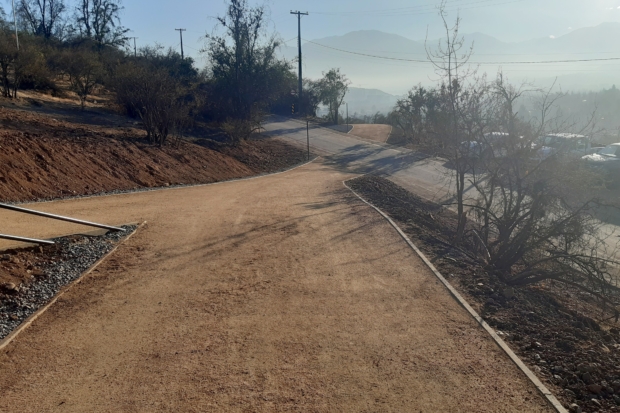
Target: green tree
[(333, 88), (246, 76)]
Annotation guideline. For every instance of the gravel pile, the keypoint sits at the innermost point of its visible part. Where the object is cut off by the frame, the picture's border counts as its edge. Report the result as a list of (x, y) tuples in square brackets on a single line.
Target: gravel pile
[(73, 256)]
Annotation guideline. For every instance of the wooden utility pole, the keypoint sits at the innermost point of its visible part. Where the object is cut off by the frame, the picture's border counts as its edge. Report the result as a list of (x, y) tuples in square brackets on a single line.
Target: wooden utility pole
[(135, 50), (181, 34), (299, 14)]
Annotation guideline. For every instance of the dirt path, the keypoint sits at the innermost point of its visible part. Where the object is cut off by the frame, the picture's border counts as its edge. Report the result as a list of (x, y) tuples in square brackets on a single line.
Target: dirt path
[(283, 293), (379, 133)]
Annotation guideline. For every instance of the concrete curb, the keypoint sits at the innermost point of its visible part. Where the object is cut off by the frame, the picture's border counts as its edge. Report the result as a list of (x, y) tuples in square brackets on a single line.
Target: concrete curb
[(555, 403), (27, 322)]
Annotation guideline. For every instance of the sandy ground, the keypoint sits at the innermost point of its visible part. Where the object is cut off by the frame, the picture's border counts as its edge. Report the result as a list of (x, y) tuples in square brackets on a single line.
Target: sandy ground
[(282, 293), (379, 133)]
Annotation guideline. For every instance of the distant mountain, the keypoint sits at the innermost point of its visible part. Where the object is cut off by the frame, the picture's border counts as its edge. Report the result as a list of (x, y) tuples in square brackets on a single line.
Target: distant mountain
[(397, 75), (368, 101)]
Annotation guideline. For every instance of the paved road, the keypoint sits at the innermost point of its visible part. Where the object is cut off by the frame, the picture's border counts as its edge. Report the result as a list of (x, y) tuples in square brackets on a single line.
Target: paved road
[(427, 177), (283, 293)]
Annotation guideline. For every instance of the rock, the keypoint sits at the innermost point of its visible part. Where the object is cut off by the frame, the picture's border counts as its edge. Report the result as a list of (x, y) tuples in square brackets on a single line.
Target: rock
[(617, 399), (565, 345), (595, 388), (537, 357), (508, 292), (10, 287), (38, 273), (605, 349), (598, 404), (574, 408), (570, 393), (6, 257), (587, 378)]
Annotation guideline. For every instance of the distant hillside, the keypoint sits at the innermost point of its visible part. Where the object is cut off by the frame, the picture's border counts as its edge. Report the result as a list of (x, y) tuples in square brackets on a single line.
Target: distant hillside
[(397, 76)]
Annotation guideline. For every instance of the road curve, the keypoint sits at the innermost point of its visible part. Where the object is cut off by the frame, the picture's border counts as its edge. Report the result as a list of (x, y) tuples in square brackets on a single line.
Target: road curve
[(283, 293)]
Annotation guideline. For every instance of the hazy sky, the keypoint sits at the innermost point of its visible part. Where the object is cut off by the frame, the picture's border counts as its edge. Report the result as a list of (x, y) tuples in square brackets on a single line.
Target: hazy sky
[(508, 20)]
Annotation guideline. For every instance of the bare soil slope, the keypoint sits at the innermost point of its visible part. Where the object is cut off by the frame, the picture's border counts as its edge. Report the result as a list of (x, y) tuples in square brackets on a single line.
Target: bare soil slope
[(44, 157), (283, 293)]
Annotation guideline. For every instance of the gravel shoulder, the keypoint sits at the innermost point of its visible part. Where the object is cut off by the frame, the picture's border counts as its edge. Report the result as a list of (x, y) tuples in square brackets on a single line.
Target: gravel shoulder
[(284, 293)]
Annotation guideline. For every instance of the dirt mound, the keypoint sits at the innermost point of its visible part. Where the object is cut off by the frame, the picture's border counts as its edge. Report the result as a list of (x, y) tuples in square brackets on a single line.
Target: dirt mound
[(379, 133), (44, 158)]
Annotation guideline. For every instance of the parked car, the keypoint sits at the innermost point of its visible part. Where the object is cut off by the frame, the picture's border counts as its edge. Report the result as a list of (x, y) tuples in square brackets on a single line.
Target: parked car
[(607, 160), (566, 144), (493, 144)]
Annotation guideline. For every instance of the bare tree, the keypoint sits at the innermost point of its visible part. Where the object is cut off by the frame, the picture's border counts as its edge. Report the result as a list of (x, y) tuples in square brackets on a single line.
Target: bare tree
[(157, 97), (42, 17), (99, 20), (450, 59), (85, 70)]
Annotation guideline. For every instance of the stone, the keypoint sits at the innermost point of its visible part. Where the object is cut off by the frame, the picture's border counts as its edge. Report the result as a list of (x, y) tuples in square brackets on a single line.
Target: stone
[(38, 273), (617, 399), (536, 356), (6, 257), (587, 378), (605, 349), (574, 408), (10, 287), (595, 388), (508, 292)]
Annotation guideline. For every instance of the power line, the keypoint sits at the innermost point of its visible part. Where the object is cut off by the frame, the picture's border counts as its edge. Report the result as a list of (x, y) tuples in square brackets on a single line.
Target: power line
[(482, 63), (421, 10)]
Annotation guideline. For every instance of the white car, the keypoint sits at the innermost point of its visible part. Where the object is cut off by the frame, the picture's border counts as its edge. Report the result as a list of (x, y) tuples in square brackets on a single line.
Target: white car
[(606, 160), (568, 144)]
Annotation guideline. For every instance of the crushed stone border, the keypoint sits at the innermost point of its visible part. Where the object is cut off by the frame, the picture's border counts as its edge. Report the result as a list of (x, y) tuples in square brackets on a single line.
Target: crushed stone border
[(553, 401), (32, 318)]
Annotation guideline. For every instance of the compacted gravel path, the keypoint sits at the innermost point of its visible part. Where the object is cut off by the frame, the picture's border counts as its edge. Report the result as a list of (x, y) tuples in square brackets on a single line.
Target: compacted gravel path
[(283, 293)]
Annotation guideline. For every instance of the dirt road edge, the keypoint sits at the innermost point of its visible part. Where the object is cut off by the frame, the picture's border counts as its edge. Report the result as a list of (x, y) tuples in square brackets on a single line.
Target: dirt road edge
[(553, 401), (27, 322)]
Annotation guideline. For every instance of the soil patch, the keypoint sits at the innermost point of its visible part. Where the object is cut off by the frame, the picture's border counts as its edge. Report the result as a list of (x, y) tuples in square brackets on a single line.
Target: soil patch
[(557, 330), (379, 133), (45, 158)]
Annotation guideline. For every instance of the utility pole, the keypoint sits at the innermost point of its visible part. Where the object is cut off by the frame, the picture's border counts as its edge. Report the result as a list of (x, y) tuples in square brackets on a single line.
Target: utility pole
[(15, 23), (308, 136), (135, 50), (347, 103), (181, 34), (299, 14)]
